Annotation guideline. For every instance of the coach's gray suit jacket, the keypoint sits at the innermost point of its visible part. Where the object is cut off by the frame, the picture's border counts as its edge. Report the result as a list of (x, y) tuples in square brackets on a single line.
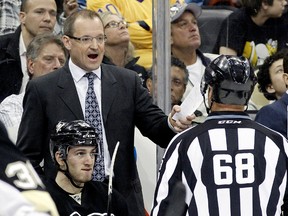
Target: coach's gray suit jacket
[(125, 103)]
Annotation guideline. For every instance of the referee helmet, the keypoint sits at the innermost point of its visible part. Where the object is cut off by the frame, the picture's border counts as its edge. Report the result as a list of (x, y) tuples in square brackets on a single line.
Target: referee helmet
[(74, 133), (232, 79)]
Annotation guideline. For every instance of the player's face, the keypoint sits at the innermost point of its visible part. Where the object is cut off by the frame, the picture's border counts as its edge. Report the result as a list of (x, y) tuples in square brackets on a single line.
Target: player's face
[(87, 55), (276, 9), (178, 86), (50, 58), (185, 32), (116, 30), (277, 85), (39, 17), (81, 161)]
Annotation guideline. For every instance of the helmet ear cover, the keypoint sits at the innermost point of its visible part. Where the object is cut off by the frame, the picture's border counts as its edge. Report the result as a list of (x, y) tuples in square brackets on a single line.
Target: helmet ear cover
[(63, 151), (231, 78)]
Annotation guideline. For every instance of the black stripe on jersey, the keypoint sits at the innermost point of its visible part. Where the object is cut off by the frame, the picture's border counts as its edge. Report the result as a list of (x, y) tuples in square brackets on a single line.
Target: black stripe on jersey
[(173, 179), (207, 173), (260, 164), (275, 194), (189, 173)]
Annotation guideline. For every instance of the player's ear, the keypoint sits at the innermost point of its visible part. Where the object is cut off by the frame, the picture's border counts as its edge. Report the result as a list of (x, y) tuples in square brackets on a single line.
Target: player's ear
[(59, 160)]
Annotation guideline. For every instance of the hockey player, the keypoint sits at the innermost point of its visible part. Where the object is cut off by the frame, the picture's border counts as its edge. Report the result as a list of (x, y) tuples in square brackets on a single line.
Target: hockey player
[(21, 190), (73, 147), (229, 165)]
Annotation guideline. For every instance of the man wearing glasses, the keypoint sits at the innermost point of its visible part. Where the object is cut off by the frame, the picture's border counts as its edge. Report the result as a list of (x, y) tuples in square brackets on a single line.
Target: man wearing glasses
[(109, 98)]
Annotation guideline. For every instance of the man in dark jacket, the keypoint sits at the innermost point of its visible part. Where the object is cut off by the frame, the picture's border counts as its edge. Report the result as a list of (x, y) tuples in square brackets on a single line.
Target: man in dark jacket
[(122, 103), (36, 17)]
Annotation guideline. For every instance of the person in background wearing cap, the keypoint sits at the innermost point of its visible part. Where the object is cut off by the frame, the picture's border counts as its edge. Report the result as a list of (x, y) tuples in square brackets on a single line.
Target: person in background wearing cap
[(185, 43), (230, 164)]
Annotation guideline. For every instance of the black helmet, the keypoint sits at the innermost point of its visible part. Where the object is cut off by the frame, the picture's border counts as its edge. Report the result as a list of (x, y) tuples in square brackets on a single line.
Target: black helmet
[(74, 133), (232, 79)]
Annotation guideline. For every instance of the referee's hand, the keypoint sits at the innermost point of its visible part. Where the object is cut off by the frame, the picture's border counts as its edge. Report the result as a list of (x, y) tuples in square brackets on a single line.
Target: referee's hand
[(181, 124)]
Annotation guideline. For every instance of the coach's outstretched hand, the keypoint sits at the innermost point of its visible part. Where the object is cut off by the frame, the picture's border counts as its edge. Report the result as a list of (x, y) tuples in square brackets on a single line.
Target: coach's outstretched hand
[(181, 124)]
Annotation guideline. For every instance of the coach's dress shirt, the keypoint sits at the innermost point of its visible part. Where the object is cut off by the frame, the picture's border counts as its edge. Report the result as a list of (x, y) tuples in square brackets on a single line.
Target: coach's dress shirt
[(81, 84)]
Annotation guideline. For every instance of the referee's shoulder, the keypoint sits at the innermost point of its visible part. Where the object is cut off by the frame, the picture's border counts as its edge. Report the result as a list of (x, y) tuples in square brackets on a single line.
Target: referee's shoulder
[(187, 136)]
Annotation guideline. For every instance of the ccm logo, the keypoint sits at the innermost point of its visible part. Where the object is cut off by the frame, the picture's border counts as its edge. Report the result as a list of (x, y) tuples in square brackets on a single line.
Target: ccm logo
[(229, 122)]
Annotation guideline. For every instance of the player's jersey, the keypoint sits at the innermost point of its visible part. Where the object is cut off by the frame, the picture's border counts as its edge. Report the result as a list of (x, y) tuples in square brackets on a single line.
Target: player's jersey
[(21, 190), (94, 199), (230, 166), (138, 13)]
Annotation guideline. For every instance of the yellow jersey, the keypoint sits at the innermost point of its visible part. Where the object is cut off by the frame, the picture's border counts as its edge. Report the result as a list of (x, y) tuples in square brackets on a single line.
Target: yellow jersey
[(138, 13)]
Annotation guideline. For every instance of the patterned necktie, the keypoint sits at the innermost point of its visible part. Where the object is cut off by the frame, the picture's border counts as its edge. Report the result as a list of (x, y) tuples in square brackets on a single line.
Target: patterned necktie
[(93, 117)]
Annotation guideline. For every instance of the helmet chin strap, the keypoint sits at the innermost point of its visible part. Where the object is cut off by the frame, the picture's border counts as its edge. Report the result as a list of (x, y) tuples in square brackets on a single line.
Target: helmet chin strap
[(68, 175), (206, 106)]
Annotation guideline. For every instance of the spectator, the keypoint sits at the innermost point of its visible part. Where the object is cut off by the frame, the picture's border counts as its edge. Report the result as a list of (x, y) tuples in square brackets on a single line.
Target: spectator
[(73, 148), (82, 4), (118, 48), (199, 2), (229, 164), (45, 54), (232, 3), (259, 33), (64, 9), (138, 15), (270, 76), (123, 104), (229, 3), (185, 43), (36, 17), (273, 75), (22, 191), (9, 16), (179, 80)]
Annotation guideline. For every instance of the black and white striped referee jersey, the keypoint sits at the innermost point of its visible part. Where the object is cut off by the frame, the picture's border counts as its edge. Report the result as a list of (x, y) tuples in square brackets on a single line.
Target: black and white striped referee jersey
[(229, 165)]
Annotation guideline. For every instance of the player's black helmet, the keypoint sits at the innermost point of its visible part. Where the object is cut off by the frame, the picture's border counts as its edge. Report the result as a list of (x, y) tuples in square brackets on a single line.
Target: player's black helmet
[(232, 79), (74, 133)]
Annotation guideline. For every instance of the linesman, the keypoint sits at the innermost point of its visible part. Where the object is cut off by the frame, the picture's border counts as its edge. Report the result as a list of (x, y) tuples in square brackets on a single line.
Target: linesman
[(229, 165)]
